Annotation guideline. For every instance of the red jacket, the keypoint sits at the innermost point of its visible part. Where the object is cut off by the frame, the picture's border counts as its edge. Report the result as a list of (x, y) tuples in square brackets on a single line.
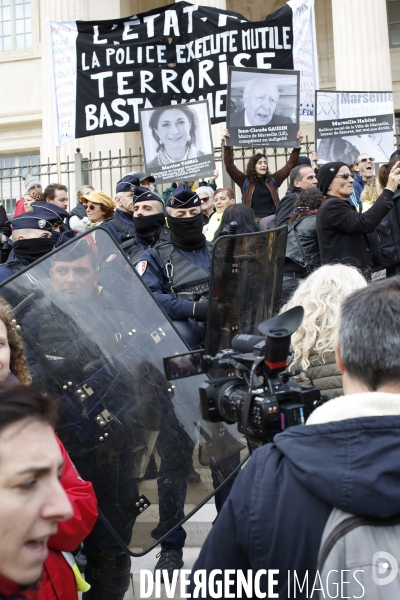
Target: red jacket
[(58, 578), (19, 207)]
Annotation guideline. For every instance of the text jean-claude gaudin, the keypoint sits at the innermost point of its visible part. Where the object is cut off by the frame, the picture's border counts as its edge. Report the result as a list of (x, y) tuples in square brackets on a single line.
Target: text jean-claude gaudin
[(232, 583)]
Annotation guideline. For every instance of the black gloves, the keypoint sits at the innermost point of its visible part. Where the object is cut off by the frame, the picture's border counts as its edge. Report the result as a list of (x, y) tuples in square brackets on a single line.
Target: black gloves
[(200, 311)]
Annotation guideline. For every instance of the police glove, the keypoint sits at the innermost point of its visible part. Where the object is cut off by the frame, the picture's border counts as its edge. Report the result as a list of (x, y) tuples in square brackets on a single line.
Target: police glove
[(200, 311)]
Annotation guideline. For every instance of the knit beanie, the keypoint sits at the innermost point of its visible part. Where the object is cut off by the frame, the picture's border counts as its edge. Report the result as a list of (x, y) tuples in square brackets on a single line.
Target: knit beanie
[(327, 173), (30, 181)]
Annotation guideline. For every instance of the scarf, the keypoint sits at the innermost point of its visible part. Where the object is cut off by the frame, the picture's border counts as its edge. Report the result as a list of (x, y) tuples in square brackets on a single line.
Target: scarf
[(12, 591)]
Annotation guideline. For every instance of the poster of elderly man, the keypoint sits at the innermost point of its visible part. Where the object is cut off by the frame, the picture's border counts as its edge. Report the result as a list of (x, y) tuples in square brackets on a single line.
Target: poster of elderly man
[(263, 107), (177, 141)]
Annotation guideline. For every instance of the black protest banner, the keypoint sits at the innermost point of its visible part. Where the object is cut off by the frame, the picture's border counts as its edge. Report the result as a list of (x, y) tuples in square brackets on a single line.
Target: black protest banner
[(352, 123), (104, 72)]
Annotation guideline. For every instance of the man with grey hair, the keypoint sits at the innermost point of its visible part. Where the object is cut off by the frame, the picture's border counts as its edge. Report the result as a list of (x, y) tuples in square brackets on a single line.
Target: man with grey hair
[(121, 225), (260, 99), (346, 456)]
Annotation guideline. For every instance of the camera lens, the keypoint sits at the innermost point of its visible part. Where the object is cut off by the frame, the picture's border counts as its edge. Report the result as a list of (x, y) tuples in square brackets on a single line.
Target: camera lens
[(229, 399)]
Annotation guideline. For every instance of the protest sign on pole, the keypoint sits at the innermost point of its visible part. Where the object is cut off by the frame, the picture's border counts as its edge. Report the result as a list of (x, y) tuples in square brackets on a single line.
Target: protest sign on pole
[(177, 142), (351, 123), (262, 107), (105, 72)]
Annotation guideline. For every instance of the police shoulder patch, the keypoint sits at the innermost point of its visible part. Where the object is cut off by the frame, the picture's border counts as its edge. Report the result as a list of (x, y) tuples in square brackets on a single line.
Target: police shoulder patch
[(141, 267)]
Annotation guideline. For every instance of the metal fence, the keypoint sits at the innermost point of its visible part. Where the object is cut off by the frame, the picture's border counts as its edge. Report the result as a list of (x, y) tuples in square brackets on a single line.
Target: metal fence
[(103, 171)]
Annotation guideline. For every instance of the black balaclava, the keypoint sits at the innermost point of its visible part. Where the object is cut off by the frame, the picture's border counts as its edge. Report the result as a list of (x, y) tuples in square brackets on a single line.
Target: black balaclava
[(147, 227), (32, 249), (187, 233)]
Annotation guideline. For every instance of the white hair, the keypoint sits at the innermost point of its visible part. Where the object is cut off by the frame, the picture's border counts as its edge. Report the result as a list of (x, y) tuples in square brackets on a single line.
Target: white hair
[(248, 88), (205, 189), (321, 295)]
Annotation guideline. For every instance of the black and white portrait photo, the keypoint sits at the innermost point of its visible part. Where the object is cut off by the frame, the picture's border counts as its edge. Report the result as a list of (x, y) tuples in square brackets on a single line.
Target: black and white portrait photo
[(352, 123), (263, 107), (177, 141)]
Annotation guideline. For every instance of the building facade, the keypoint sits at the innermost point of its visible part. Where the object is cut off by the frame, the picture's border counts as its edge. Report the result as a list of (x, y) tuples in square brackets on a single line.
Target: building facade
[(358, 47)]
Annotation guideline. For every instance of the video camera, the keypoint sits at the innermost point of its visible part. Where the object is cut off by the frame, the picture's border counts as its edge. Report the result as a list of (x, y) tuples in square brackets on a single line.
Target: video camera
[(257, 393)]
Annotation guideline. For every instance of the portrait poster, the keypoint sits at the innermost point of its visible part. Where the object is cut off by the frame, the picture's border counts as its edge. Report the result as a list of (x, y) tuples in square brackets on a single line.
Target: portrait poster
[(263, 107), (177, 142), (352, 123)]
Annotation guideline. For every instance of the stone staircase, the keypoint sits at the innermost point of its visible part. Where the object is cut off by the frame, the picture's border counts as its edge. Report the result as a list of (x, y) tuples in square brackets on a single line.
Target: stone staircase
[(197, 529)]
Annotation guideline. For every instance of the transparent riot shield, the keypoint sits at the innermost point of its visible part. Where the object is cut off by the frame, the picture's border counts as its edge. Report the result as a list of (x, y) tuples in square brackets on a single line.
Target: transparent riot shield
[(245, 285), (95, 339)]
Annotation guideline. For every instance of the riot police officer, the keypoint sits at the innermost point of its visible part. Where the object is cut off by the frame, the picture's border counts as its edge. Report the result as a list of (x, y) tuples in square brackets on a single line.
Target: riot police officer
[(31, 237), (176, 267), (61, 232)]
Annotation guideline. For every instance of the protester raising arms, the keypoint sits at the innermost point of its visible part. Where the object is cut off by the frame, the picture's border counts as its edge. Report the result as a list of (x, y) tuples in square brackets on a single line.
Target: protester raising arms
[(258, 185)]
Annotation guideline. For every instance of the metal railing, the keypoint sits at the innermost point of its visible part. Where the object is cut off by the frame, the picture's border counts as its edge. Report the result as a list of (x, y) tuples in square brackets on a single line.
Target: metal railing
[(104, 171)]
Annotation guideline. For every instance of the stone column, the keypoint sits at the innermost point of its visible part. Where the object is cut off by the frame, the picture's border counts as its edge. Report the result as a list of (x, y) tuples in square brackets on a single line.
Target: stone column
[(361, 41)]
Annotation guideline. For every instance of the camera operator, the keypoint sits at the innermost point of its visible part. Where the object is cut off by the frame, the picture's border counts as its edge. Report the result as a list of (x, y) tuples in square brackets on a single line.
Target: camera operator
[(345, 457)]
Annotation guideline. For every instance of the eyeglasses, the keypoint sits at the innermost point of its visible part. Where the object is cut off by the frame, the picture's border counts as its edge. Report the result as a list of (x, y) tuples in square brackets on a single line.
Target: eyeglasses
[(90, 206), (205, 199), (345, 175), (370, 159)]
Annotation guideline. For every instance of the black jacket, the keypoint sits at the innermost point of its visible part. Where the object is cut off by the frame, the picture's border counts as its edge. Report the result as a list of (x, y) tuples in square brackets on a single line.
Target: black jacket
[(342, 231), (306, 229), (281, 500), (285, 207)]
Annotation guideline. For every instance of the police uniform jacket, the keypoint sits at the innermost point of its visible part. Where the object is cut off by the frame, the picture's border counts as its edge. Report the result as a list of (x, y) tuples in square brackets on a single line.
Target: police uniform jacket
[(16, 264), (152, 270), (126, 219)]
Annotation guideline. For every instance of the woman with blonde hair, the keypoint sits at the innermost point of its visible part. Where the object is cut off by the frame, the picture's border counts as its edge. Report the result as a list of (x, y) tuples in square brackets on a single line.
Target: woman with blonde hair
[(321, 295)]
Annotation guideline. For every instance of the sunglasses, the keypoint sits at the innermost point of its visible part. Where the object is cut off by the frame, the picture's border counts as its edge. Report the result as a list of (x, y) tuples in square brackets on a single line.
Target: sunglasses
[(344, 176), (366, 160), (90, 206)]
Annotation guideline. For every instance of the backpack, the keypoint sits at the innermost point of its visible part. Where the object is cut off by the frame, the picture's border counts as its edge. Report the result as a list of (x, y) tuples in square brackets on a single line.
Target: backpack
[(359, 557), (385, 241)]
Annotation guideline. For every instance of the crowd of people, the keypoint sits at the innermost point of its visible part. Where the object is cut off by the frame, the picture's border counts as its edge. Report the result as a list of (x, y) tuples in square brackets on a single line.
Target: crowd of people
[(332, 252)]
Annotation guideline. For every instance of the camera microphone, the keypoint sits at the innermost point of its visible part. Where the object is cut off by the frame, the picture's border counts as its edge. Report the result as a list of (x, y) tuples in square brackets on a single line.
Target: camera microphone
[(245, 343)]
